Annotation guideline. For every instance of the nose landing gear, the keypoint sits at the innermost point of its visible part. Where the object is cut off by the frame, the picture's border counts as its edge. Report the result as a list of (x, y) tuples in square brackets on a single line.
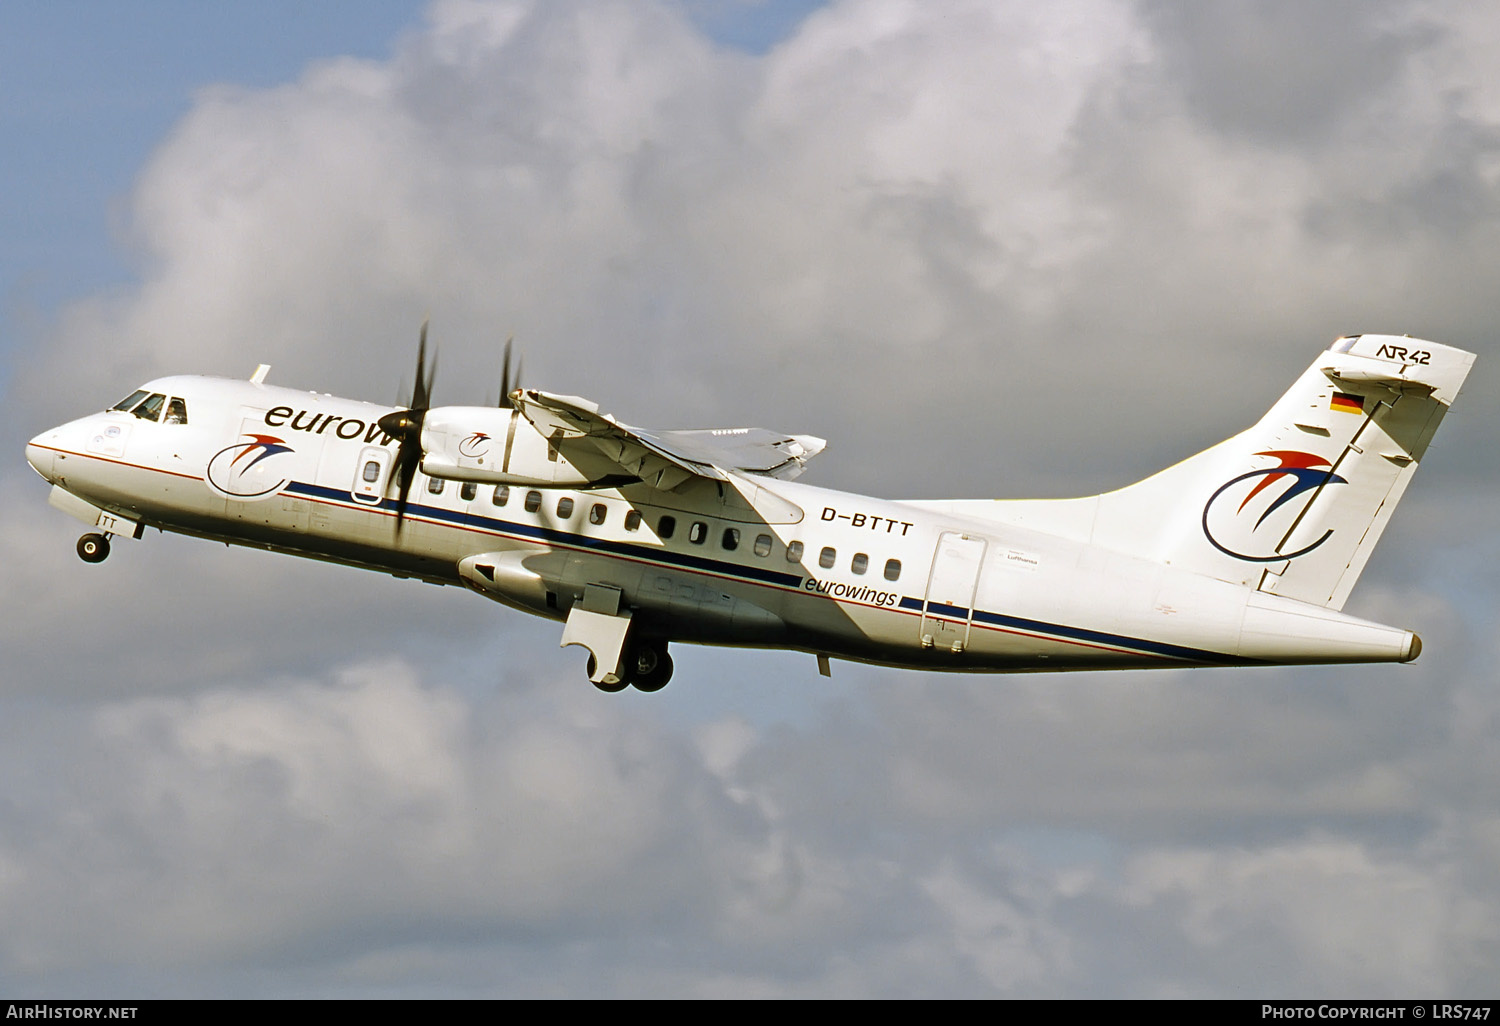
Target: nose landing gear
[(93, 548)]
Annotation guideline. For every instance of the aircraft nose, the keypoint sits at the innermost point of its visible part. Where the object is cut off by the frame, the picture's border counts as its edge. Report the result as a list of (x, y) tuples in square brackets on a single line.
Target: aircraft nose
[(41, 455)]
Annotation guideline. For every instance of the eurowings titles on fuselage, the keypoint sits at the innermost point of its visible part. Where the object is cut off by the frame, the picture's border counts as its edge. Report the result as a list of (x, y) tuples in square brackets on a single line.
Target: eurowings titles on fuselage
[(349, 428), (1241, 555)]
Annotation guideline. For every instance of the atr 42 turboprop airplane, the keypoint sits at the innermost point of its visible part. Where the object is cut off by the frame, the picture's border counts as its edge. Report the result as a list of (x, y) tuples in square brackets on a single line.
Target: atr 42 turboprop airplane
[(1241, 555)]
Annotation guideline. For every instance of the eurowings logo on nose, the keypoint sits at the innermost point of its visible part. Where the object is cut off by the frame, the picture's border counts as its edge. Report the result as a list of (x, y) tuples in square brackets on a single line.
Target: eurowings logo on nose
[(1240, 523), (232, 470), (262, 446)]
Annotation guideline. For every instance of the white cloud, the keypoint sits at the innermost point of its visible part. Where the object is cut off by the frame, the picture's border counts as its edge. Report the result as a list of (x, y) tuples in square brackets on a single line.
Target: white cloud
[(225, 825), (1325, 915)]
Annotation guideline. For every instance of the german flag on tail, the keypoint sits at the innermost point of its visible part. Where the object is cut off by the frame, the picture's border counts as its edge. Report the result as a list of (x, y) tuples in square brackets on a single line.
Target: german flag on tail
[(1346, 403)]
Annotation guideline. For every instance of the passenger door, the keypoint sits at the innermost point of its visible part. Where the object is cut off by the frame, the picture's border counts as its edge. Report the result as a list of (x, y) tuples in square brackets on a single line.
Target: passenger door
[(948, 606), (371, 475)]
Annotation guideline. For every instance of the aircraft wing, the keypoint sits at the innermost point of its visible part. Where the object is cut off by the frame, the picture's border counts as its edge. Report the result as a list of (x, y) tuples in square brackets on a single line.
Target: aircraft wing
[(663, 459)]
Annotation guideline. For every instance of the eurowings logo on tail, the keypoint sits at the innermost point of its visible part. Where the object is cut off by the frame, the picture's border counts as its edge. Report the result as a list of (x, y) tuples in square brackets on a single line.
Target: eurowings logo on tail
[(1263, 518), (232, 470)]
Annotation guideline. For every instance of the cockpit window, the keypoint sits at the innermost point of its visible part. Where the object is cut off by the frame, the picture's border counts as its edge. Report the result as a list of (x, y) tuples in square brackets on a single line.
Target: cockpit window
[(128, 403), (176, 411), (151, 408)]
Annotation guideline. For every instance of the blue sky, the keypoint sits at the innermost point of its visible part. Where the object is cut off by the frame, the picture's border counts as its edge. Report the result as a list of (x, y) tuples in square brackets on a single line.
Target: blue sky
[(88, 88)]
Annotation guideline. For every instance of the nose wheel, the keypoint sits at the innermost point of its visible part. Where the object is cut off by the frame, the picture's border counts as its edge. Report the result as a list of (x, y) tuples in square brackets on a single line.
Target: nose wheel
[(93, 548)]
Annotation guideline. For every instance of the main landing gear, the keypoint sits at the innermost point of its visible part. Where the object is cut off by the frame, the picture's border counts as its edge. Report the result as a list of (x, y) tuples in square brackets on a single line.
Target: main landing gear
[(647, 668), (93, 548)]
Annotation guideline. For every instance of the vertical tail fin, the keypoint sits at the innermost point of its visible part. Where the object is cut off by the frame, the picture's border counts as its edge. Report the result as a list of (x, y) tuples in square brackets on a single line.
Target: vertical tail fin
[(1295, 505)]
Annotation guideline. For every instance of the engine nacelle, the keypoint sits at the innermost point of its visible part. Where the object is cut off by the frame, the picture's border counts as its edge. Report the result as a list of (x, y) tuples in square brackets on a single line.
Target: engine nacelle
[(495, 446)]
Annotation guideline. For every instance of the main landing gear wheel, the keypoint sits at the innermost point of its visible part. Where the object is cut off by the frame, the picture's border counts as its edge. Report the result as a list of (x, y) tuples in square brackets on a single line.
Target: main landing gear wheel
[(648, 666), (614, 688), (93, 548)]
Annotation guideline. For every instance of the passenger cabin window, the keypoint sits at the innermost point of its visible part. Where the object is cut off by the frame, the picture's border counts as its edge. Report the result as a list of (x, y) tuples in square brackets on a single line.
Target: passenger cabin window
[(827, 557), (128, 403), (564, 508), (151, 408), (731, 539), (468, 491), (892, 569), (633, 520), (533, 501), (501, 496), (372, 472), (698, 533), (597, 513), (762, 544), (176, 411), (665, 528), (435, 485), (794, 552), (860, 563)]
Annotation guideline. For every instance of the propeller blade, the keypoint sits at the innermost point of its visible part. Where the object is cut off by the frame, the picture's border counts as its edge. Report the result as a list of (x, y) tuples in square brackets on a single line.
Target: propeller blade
[(406, 471), (406, 427), (506, 385), (421, 397)]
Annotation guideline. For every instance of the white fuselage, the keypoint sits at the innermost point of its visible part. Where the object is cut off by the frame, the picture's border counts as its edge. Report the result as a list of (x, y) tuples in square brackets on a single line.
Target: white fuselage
[(751, 562)]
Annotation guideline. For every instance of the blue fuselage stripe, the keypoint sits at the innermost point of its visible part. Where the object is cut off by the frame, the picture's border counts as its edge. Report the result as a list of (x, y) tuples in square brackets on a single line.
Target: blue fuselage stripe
[(764, 576), (1160, 648), (553, 535), (1083, 634)]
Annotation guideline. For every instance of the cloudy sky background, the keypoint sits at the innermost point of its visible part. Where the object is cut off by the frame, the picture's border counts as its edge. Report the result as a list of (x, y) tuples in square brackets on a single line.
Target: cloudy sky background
[(987, 249)]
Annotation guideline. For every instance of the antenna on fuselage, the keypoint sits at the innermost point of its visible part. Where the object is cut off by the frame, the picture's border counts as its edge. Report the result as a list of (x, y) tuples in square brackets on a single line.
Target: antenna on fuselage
[(259, 377)]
